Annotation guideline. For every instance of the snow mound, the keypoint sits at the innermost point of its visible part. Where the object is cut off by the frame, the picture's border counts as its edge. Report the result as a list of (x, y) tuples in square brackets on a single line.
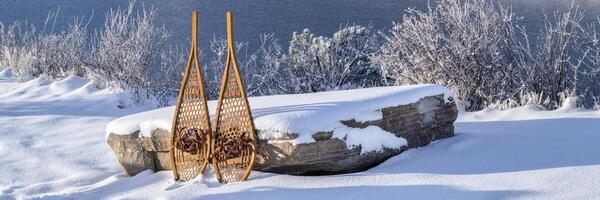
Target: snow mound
[(529, 112), (45, 89), (305, 114), (73, 94), (6, 73), (371, 138)]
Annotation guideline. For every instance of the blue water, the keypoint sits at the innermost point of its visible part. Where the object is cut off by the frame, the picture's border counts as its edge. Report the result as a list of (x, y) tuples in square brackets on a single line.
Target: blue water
[(253, 17)]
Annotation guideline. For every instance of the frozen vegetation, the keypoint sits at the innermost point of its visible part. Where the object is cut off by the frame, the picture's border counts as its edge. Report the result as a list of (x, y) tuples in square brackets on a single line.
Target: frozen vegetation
[(479, 49)]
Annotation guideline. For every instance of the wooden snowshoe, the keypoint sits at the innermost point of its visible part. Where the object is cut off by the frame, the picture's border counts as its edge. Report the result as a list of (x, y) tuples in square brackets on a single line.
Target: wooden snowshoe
[(191, 136), (235, 140)]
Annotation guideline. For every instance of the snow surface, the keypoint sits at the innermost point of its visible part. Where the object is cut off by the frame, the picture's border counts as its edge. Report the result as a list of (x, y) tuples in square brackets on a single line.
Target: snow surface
[(371, 138), (307, 114), (52, 146)]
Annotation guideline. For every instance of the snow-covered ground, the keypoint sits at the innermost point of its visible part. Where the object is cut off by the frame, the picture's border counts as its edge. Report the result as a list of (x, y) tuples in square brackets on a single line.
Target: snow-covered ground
[(52, 146)]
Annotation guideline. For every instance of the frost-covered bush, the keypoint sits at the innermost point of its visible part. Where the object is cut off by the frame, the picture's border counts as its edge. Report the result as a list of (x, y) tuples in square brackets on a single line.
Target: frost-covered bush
[(591, 68), (273, 74), (478, 49), (464, 45), (312, 63), (58, 55), (14, 48), (128, 47), (353, 46), (265, 71), (563, 62), (166, 78), (54, 55), (213, 70), (341, 62), (128, 54)]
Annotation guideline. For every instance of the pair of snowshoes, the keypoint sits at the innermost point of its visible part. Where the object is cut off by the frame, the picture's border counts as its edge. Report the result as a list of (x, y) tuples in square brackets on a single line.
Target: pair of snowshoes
[(231, 144)]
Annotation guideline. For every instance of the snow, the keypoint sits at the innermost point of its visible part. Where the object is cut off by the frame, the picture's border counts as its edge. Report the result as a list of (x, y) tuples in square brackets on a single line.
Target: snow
[(304, 114), (529, 112), (52, 134), (143, 123), (53, 147), (6, 73), (371, 138)]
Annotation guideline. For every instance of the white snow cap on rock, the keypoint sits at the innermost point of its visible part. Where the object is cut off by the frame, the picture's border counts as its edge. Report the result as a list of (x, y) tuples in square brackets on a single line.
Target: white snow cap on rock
[(306, 114)]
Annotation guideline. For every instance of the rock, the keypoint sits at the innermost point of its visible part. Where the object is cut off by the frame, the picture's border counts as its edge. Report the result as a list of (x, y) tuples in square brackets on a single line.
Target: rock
[(320, 136), (429, 119), (137, 154), (419, 123), (131, 154)]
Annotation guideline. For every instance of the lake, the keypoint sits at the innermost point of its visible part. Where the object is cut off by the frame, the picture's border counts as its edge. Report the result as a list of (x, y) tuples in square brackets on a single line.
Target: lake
[(254, 17)]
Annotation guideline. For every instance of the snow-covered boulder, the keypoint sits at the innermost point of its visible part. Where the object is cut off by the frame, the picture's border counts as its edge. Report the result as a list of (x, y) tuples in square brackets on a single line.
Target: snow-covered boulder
[(317, 133)]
